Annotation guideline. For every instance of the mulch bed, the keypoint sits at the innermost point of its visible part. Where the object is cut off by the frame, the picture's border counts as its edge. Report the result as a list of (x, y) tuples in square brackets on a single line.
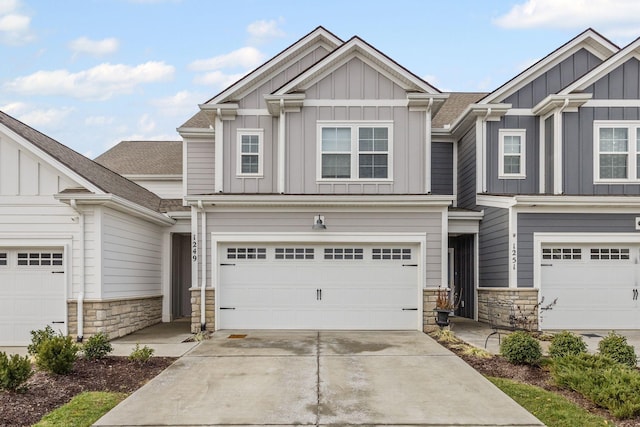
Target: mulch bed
[(49, 391)]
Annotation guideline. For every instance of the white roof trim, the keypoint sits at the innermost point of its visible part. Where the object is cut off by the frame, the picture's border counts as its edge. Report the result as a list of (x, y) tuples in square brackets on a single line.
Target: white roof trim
[(319, 200), (590, 40), (48, 158), (558, 201), (631, 50), (273, 65), (357, 48)]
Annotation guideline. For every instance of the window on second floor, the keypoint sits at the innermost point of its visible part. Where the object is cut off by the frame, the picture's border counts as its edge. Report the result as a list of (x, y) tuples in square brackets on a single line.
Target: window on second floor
[(511, 159), (355, 151), (249, 152), (616, 151)]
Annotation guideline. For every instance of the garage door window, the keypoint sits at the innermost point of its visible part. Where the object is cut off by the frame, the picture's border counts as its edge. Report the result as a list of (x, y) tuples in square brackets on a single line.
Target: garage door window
[(391, 253), (3, 259), (246, 253), (294, 253), (610, 253), (562, 253), (343, 253), (34, 259)]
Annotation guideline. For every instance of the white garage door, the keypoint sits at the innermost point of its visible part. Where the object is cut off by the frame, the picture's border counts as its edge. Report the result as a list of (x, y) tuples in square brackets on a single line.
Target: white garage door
[(32, 293), (297, 286), (596, 286)]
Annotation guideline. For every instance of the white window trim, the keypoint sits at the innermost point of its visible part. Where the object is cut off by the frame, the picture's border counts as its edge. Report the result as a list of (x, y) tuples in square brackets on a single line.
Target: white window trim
[(240, 133), (355, 167), (632, 152), (522, 133)]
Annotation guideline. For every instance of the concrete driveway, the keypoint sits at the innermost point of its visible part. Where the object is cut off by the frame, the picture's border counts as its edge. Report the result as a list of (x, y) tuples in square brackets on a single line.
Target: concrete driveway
[(282, 378)]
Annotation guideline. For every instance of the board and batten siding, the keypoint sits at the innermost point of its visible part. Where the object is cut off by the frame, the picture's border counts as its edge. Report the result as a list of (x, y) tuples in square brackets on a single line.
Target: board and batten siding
[(200, 165), (493, 248), (529, 185), (467, 170), (578, 140), (350, 220), (622, 82), (563, 74), (530, 223), (442, 168), (131, 256)]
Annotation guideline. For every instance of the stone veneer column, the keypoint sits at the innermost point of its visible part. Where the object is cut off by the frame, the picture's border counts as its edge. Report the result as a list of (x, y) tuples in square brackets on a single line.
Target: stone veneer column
[(429, 296), (209, 309)]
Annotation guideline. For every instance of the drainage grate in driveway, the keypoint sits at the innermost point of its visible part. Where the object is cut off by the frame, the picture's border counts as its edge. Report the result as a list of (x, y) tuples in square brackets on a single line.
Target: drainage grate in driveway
[(237, 336)]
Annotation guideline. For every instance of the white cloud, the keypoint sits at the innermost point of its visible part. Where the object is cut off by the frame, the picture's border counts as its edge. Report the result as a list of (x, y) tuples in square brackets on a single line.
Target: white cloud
[(48, 117), (617, 18), (218, 79), (180, 104), (14, 25), (146, 124), (100, 82), (246, 57), (84, 45), (263, 31), (99, 121), (14, 108), (8, 6)]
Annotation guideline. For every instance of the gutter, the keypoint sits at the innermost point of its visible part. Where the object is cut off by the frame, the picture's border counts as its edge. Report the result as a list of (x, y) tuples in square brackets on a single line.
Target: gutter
[(80, 301)]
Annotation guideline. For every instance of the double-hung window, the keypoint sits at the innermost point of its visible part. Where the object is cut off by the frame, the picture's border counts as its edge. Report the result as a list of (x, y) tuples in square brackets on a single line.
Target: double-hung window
[(512, 153), (250, 152), (355, 151), (616, 151)]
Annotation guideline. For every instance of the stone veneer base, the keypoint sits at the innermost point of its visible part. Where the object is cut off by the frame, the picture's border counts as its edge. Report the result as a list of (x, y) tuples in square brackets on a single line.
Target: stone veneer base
[(209, 309), (524, 299)]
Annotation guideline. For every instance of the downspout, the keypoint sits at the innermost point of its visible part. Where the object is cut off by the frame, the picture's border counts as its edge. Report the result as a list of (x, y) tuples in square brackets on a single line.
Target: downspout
[(203, 264), (80, 302)]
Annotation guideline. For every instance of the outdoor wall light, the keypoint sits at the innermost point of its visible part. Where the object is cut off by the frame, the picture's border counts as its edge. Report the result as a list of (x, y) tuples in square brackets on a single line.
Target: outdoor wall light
[(318, 223)]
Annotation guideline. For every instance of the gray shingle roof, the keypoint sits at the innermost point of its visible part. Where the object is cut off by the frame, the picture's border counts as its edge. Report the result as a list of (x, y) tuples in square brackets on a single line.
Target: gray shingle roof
[(454, 106), (200, 120), (98, 175), (144, 158)]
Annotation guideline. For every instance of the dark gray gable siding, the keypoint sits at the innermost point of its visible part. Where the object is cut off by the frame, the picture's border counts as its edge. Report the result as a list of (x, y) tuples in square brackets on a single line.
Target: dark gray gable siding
[(442, 168), (548, 155), (493, 248), (578, 151), (529, 223), (555, 79), (528, 185), (467, 170), (621, 83)]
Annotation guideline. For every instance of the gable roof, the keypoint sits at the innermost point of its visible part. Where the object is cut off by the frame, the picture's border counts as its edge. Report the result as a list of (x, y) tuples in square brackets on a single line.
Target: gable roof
[(372, 56), (144, 158), (319, 36), (588, 39), (613, 62), (454, 106), (97, 175)]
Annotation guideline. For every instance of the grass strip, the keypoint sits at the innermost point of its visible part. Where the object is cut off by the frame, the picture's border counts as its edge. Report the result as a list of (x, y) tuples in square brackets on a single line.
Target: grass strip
[(552, 409), (83, 410)]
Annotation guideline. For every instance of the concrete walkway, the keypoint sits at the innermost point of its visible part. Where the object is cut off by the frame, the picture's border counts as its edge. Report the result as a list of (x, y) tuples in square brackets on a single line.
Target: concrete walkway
[(166, 339), (282, 378)]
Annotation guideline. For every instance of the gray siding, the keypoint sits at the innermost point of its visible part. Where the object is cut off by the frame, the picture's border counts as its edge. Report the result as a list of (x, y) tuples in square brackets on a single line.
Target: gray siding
[(467, 170), (578, 151), (442, 168), (493, 248), (529, 223), (621, 83), (200, 166), (529, 185), (553, 80), (548, 155)]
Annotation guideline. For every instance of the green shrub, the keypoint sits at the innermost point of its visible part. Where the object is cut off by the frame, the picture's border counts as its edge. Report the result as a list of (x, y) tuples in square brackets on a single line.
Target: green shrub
[(97, 347), (141, 355), (602, 380), (57, 355), (521, 348), (37, 337), (14, 372), (566, 344), (615, 346)]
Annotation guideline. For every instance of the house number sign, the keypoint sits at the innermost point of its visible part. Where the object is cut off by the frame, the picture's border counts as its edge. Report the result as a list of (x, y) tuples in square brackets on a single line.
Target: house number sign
[(514, 257), (194, 249)]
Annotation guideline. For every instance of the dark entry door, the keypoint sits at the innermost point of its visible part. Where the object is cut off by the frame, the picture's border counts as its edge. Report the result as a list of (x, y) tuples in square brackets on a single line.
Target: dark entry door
[(181, 275)]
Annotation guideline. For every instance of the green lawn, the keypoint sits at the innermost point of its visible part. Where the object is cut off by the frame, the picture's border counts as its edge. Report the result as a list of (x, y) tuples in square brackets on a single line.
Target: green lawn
[(83, 410), (552, 409)]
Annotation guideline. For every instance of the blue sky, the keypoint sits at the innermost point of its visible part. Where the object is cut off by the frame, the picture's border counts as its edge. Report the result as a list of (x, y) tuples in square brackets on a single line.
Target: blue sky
[(91, 73)]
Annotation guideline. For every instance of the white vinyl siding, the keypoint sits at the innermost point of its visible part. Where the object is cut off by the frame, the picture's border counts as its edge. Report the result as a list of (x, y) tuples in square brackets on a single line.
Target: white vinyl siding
[(512, 153), (616, 151), (355, 151), (250, 152)]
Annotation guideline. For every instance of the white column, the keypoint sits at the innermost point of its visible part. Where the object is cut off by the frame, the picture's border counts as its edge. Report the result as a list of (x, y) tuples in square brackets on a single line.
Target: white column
[(427, 151), (219, 153), (281, 148)]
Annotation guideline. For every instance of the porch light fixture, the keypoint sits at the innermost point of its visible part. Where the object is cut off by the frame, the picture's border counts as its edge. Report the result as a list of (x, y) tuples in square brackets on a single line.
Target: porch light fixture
[(318, 223)]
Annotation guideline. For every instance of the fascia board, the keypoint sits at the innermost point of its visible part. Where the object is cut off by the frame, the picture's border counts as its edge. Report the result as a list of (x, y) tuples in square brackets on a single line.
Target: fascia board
[(578, 201), (603, 69), (196, 132), (153, 177), (492, 112), (356, 48), (319, 200), (117, 203), (271, 67), (590, 40), (494, 201), (55, 163), (573, 102)]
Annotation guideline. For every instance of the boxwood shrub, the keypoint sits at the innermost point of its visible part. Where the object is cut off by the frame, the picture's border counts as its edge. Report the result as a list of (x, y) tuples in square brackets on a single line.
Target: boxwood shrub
[(615, 346), (566, 344), (521, 348)]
